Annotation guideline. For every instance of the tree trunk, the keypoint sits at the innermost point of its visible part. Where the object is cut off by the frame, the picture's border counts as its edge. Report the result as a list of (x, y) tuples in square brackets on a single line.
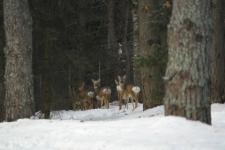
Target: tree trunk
[(111, 29), (2, 64), (46, 85), (187, 74), (150, 45), (125, 42), (137, 73), (218, 53), (18, 52), (122, 30)]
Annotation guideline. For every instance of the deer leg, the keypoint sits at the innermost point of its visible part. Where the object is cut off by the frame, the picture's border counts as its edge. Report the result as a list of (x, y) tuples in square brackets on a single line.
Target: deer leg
[(107, 102), (91, 104), (120, 105), (82, 105), (85, 106), (120, 102), (102, 102), (136, 102), (132, 102), (126, 103)]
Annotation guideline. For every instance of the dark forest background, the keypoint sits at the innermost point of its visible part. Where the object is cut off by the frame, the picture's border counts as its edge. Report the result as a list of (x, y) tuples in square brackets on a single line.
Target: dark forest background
[(70, 42)]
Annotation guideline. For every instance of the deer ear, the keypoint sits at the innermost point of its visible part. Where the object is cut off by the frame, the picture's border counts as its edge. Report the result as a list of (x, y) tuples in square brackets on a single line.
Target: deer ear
[(119, 77), (124, 77), (93, 81), (116, 82), (81, 86)]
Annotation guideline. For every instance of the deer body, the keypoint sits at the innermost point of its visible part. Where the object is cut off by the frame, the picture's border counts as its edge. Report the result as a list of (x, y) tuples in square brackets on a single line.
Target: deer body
[(85, 97), (87, 100), (127, 92), (103, 94)]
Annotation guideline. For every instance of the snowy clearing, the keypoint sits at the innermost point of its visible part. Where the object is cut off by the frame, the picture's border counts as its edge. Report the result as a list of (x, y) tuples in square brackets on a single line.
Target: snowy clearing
[(112, 129)]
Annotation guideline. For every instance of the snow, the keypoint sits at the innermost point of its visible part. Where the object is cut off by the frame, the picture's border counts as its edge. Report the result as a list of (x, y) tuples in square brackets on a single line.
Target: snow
[(111, 129)]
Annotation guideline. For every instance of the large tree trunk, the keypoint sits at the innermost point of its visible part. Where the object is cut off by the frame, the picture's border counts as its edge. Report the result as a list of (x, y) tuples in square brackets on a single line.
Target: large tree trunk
[(151, 30), (18, 52), (187, 74), (218, 53), (2, 64)]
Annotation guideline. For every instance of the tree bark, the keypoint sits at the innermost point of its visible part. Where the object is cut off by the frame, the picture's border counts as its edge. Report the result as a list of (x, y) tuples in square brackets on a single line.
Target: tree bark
[(218, 53), (125, 41), (18, 52), (2, 64), (111, 29), (47, 84), (122, 31), (188, 73), (137, 74)]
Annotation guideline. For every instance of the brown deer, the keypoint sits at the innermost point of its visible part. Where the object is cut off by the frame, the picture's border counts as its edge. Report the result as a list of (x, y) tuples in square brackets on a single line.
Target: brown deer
[(103, 94), (127, 92), (85, 97)]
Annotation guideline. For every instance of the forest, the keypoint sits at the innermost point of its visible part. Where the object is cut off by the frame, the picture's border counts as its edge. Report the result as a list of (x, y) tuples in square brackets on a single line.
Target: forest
[(104, 63)]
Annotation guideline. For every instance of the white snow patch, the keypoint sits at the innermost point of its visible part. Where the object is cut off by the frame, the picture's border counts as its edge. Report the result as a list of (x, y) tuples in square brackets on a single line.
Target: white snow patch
[(99, 114), (123, 130)]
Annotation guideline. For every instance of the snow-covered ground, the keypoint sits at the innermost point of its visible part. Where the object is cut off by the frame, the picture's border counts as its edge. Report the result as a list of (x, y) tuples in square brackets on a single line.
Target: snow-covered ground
[(111, 129)]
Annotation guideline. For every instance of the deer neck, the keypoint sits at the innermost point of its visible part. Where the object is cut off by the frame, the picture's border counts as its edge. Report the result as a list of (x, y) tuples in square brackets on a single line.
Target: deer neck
[(121, 88), (97, 89)]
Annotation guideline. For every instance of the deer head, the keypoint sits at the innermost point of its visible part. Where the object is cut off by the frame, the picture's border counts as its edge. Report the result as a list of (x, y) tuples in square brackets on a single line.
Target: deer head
[(121, 81), (96, 84), (81, 87)]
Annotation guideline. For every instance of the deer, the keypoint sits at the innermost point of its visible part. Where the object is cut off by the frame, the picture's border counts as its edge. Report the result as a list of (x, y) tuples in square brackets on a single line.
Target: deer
[(86, 97), (102, 94), (126, 92)]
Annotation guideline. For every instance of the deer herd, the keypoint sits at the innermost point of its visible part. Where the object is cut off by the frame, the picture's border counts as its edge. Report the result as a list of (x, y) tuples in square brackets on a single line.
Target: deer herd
[(100, 96)]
